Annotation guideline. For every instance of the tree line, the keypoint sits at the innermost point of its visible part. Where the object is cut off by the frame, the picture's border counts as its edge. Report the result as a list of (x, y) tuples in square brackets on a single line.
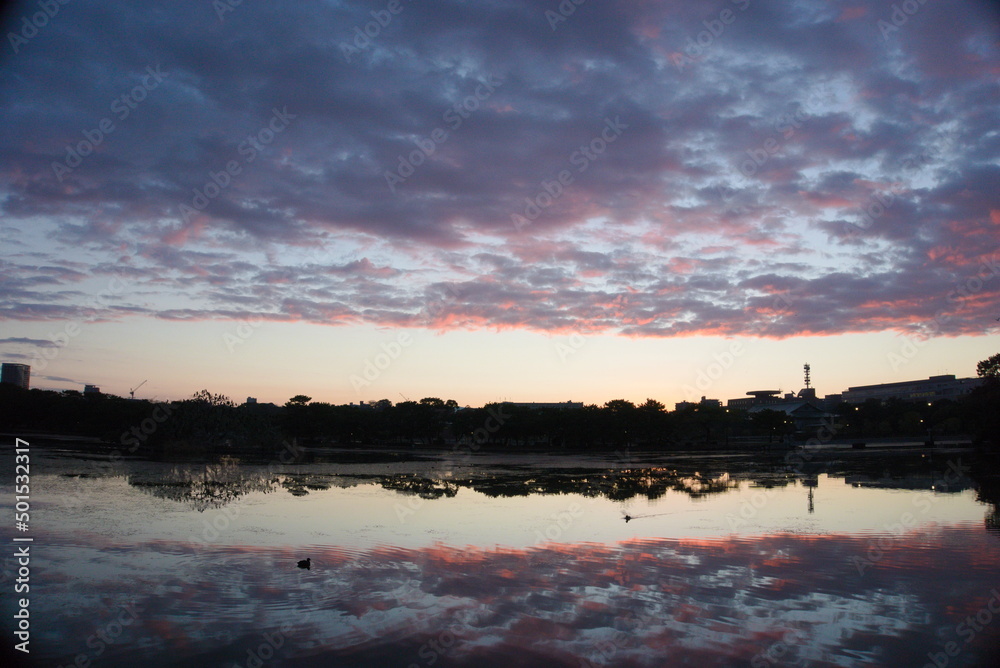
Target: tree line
[(209, 422)]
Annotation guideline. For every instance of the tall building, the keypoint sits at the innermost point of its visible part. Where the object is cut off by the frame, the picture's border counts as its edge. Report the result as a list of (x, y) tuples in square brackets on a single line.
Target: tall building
[(16, 374)]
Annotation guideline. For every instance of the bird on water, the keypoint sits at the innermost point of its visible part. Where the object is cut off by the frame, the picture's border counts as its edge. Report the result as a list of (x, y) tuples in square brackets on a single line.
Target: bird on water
[(305, 563), (629, 518)]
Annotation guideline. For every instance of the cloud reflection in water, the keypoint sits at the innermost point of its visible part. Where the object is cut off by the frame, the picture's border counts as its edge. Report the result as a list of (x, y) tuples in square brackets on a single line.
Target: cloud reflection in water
[(648, 602)]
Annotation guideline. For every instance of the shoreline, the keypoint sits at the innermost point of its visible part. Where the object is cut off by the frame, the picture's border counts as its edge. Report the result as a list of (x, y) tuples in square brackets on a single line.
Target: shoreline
[(618, 454)]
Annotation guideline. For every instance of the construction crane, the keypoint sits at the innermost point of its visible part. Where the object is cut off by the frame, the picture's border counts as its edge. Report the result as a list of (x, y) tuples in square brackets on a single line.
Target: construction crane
[(132, 391)]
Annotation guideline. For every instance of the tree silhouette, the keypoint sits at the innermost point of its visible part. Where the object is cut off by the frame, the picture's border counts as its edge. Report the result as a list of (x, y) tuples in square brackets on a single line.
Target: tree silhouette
[(989, 367), (983, 402), (204, 396)]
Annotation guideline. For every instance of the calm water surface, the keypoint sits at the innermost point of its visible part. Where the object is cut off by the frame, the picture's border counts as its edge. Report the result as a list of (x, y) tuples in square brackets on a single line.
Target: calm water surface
[(857, 559)]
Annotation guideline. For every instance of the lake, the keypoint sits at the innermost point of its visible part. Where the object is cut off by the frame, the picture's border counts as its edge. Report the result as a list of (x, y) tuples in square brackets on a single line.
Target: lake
[(875, 558)]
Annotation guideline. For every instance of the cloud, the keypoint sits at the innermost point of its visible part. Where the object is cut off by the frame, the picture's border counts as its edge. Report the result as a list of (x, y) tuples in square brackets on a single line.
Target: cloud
[(21, 340), (808, 151), (60, 379)]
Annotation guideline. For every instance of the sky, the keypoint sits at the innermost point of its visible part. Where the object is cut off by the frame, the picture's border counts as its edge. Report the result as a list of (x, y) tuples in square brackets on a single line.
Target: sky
[(530, 201)]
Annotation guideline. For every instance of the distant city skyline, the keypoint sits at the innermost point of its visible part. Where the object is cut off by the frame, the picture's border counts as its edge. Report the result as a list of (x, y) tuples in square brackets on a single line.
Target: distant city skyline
[(730, 378), (490, 201)]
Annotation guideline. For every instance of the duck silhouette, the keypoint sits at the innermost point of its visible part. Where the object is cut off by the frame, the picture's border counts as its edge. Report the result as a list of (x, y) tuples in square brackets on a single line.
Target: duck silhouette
[(305, 563), (629, 518)]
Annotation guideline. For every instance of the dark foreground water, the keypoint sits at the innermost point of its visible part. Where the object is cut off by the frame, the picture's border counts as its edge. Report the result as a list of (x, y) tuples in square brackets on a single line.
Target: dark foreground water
[(852, 560)]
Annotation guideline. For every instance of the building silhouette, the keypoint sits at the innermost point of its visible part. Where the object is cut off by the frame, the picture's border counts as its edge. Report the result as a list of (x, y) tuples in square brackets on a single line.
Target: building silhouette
[(758, 398), (16, 374), (790, 402), (708, 403), (805, 411), (930, 390), (805, 415)]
